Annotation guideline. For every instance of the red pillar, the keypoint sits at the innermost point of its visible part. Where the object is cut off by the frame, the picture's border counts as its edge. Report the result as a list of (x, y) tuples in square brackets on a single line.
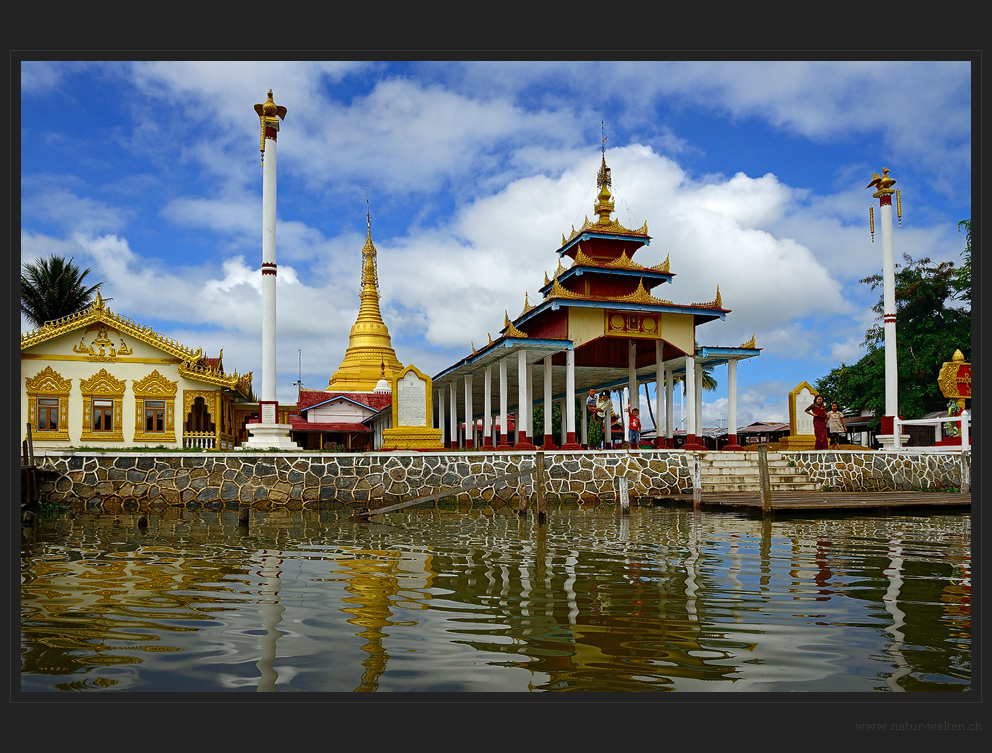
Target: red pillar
[(732, 443)]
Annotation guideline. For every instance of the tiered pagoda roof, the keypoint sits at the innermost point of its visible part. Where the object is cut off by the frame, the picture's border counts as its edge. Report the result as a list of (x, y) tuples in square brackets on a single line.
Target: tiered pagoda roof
[(603, 272)]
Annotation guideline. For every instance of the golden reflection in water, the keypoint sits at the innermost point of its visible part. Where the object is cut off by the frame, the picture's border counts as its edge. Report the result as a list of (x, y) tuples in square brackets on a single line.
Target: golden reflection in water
[(376, 579)]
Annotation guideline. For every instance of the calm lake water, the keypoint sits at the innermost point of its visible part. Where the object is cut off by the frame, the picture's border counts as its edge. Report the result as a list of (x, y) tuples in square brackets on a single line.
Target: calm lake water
[(483, 601)]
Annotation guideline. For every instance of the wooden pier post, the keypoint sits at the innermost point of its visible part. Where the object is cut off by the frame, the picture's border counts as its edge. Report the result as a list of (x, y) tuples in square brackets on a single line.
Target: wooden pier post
[(965, 470), (765, 481), (522, 496), (623, 495), (697, 481), (30, 495), (538, 477)]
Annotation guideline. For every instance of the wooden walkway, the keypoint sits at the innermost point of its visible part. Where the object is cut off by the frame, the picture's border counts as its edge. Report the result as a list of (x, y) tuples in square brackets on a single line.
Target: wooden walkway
[(822, 501)]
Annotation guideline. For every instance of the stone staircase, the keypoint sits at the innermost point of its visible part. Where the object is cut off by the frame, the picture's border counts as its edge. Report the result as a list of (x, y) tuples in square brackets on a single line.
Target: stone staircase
[(738, 472)]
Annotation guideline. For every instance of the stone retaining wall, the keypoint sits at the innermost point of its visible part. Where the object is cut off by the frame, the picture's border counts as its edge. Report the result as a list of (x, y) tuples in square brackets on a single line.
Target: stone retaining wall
[(230, 480), (883, 471)]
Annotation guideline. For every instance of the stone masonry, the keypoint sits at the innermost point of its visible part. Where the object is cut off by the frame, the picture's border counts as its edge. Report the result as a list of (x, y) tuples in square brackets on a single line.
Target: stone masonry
[(358, 480)]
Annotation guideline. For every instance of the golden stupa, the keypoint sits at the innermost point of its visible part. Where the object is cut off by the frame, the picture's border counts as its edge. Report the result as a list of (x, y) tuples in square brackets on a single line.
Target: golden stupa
[(370, 355)]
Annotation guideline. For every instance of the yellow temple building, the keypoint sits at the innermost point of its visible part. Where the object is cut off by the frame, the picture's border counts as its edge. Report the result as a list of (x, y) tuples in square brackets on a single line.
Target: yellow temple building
[(95, 378)]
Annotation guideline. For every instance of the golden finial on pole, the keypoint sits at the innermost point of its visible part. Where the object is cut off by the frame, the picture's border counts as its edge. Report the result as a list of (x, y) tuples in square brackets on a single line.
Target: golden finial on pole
[(269, 115)]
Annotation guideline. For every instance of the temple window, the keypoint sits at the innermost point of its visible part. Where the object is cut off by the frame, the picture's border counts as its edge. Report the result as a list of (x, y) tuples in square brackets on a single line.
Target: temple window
[(48, 404), (154, 416), (102, 407), (103, 415), (48, 414), (155, 409)]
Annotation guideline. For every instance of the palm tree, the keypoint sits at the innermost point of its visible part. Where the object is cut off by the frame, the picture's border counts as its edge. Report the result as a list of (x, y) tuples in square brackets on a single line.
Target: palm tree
[(52, 288)]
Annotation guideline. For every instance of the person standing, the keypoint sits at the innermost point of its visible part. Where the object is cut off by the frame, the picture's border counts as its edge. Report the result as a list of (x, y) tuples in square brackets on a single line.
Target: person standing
[(605, 405), (592, 408), (819, 414), (635, 428), (835, 424)]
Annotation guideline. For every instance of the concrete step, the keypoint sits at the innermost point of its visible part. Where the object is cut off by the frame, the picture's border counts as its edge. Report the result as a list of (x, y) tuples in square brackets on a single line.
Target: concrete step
[(750, 472), (756, 488)]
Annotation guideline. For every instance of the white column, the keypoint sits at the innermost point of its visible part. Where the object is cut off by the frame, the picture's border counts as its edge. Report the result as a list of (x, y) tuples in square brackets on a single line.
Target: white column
[(564, 427), (699, 399), (487, 408), (608, 422), (269, 275), (503, 398), (439, 401), (521, 394), (568, 413), (669, 403), (732, 400), (634, 398), (469, 414), (889, 310), (547, 402), (453, 415), (269, 432), (585, 427), (530, 403), (659, 389), (690, 394)]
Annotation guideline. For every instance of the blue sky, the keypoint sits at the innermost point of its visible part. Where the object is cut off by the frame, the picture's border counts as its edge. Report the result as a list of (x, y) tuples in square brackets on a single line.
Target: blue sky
[(751, 175)]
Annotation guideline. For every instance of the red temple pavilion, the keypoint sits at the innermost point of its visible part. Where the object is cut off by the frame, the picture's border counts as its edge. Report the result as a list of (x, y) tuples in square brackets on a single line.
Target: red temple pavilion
[(600, 324)]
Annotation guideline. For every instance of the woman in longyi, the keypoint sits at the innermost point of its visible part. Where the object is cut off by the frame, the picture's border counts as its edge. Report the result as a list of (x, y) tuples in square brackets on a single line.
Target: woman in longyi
[(819, 414)]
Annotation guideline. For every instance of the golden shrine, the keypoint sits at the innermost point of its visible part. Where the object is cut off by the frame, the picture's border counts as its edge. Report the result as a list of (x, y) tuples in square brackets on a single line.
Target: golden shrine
[(954, 379), (370, 355)]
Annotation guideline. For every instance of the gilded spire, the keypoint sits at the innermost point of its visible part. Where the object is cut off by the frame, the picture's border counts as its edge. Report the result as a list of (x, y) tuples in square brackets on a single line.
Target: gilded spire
[(370, 355), (604, 205)]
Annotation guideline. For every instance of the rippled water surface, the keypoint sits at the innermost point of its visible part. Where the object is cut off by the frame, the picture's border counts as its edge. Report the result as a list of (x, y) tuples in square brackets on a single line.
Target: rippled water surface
[(432, 600)]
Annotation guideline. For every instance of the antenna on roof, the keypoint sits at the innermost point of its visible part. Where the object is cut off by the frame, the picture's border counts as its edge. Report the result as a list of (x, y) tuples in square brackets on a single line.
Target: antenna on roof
[(299, 382)]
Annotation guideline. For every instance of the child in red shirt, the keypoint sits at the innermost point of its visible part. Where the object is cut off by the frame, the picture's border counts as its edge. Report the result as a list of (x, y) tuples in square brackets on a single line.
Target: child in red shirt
[(635, 429)]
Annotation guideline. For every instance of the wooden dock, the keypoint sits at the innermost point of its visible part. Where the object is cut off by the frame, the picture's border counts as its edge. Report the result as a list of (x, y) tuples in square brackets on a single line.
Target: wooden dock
[(806, 502)]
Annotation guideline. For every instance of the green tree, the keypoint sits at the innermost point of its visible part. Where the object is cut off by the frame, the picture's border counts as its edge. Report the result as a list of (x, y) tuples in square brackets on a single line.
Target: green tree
[(962, 281), (52, 288), (928, 331)]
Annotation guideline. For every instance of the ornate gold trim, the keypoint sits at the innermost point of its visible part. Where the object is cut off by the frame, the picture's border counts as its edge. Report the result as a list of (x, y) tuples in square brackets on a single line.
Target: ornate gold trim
[(154, 387), (714, 304), (49, 383), (664, 266), (883, 183), (624, 262), (528, 306), (509, 330), (611, 226), (750, 343), (97, 314), (560, 291)]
